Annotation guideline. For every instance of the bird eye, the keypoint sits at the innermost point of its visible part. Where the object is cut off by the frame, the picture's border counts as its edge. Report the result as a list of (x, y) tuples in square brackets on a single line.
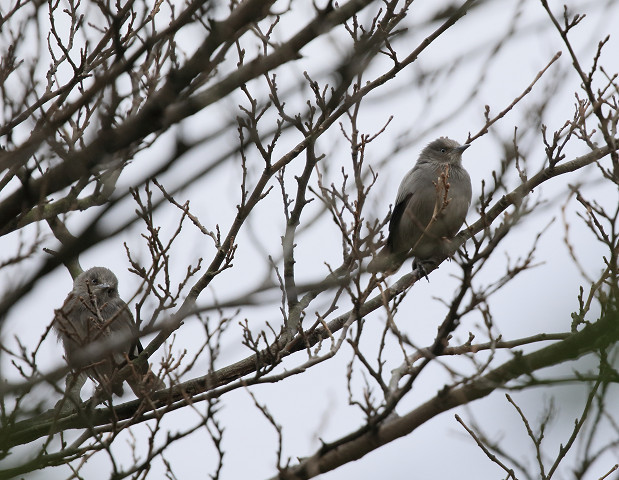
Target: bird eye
[(94, 281), (443, 150)]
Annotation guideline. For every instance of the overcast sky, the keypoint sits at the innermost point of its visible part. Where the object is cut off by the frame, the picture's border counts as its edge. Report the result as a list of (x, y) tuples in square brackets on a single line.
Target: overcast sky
[(315, 405)]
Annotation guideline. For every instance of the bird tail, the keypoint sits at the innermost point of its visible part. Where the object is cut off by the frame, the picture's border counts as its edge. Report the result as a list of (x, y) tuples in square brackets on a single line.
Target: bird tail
[(385, 261)]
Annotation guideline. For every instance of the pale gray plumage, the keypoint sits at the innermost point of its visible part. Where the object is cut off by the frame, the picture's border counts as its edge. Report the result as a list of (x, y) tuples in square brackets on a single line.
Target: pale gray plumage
[(94, 316), (421, 194)]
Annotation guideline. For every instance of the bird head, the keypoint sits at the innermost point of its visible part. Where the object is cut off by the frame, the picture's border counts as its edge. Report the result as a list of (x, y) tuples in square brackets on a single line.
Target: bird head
[(443, 150), (98, 281)]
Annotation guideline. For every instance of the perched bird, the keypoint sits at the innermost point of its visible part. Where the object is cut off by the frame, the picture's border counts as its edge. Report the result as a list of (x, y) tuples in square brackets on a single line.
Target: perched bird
[(99, 333), (431, 205)]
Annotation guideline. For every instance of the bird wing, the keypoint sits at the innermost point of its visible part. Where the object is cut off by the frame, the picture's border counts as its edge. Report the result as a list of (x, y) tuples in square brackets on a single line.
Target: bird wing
[(125, 326), (413, 214), (396, 217), (136, 349)]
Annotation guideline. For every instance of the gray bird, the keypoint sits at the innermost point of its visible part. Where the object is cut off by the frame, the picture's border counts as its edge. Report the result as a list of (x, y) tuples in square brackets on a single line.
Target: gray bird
[(94, 317), (431, 205)]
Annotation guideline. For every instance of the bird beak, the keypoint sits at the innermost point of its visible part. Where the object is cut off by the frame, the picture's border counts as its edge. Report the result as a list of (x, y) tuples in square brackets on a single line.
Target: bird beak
[(462, 148), (104, 286)]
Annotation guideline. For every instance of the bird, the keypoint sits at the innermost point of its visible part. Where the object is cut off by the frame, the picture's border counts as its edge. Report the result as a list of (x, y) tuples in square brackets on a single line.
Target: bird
[(99, 334), (430, 207)]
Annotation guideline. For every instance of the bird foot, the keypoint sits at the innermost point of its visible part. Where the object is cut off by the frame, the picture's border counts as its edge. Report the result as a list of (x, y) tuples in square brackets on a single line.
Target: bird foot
[(420, 266)]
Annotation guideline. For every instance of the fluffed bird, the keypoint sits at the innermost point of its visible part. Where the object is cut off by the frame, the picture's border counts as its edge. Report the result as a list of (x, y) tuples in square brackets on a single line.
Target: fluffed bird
[(430, 207), (99, 334)]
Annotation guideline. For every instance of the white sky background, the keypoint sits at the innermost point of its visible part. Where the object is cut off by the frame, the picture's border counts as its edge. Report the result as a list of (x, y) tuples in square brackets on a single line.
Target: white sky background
[(315, 404)]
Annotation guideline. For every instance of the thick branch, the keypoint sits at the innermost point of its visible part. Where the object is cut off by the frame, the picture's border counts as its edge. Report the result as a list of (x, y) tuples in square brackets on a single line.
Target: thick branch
[(596, 336)]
